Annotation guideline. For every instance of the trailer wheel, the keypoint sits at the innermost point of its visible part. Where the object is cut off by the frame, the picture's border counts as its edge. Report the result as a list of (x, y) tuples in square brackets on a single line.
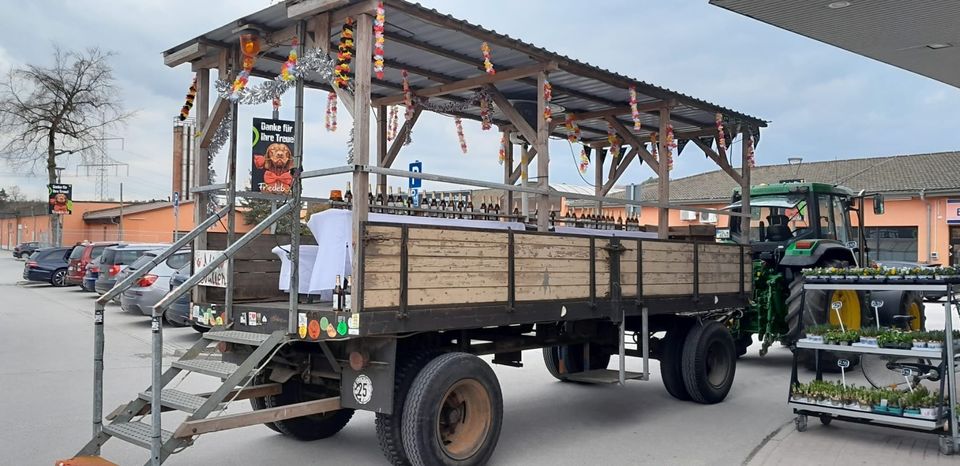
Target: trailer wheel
[(258, 403), (314, 426), (709, 362), (390, 426), (453, 412), (568, 359), (671, 362)]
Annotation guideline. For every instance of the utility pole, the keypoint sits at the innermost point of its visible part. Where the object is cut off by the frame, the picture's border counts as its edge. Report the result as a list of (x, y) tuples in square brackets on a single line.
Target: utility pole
[(57, 239), (120, 236)]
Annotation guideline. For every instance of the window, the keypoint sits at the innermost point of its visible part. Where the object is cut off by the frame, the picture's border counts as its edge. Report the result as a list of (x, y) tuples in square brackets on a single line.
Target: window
[(839, 218), (825, 211), (77, 252), (177, 261), (96, 252), (891, 243)]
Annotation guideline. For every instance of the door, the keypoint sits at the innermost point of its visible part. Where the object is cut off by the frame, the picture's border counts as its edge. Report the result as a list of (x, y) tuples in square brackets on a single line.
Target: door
[(954, 253)]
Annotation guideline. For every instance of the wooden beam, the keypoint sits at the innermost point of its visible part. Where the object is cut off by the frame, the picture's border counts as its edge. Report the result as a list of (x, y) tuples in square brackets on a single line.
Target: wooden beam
[(505, 107), (201, 172), (598, 178), (261, 416), (321, 36), (210, 61), (382, 146), (720, 161), (663, 178), (211, 123), (401, 137), (471, 83), (508, 171), (633, 140), (620, 170), (543, 148), (355, 11), (311, 7), (617, 111), (745, 189), (361, 138), (186, 54), (515, 175)]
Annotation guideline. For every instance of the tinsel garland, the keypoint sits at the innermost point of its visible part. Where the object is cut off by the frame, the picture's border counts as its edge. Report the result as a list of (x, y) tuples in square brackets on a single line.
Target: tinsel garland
[(344, 55), (330, 119), (721, 139), (547, 97), (451, 107), (407, 95), (487, 63), (504, 140), (573, 129), (221, 135), (350, 145), (379, 23), (614, 141), (188, 103), (314, 61), (485, 123), (463, 140), (750, 152), (289, 66), (584, 160), (635, 113), (392, 126)]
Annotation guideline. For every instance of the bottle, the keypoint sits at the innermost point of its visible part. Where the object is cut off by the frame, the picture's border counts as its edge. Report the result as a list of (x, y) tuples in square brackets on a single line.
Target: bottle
[(461, 206), (408, 202), (442, 207), (348, 195), (469, 207), (553, 218), (370, 195), (496, 209), (483, 206), (433, 205), (619, 222), (452, 207), (379, 200), (337, 295), (347, 300), (516, 210)]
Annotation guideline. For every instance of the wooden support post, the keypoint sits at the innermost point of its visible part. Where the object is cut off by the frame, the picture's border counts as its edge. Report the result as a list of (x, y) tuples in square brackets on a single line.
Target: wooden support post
[(598, 177), (663, 178), (382, 147), (201, 173), (402, 134), (745, 188), (531, 154), (543, 148), (508, 172), (524, 176), (361, 141)]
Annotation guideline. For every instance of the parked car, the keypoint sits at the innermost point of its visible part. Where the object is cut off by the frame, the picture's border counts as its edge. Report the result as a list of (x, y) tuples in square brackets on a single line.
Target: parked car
[(152, 287), (179, 312), (80, 257), (47, 265), (114, 259), (931, 296), (26, 249), (90, 276)]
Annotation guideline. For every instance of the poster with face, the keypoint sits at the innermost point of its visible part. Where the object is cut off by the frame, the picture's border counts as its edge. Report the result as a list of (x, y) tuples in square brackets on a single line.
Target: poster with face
[(272, 156), (61, 199)]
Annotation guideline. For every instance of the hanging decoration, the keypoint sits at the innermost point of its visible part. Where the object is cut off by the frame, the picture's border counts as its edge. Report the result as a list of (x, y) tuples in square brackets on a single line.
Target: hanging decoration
[(379, 23), (289, 66), (721, 139), (653, 145), (330, 119), (392, 125), (635, 113), (350, 144), (221, 135), (547, 97), (487, 63), (276, 104), (584, 160), (573, 129), (188, 103), (614, 141), (249, 47), (485, 123), (504, 140), (344, 55), (669, 144), (453, 107), (315, 61), (750, 153), (407, 95), (463, 140)]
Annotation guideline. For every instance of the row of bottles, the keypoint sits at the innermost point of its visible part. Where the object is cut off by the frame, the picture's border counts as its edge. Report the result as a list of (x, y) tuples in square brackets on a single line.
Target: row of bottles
[(600, 222), (342, 296), (459, 206)]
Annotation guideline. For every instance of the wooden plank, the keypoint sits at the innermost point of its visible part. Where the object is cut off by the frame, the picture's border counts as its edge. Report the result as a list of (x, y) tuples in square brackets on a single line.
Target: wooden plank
[(475, 280), (437, 249), (637, 144), (505, 107), (401, 137), (569, 265), (720, 161), (551, 240), (187, 54), (720, 288), (457, 235), (536, 293), (663, 177), (435, 264), (232, 421), (658, 289), (666, 246), (209, 127), (472, 82), (257, 266), (543, 148), (306, 8), (439, 296)]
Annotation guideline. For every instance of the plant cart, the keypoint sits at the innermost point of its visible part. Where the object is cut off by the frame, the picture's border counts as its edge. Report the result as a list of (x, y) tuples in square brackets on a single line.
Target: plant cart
[(849, 410)]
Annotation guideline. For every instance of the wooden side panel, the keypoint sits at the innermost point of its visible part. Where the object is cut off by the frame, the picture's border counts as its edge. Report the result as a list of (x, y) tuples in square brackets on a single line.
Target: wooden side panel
[(667, 268), (551, 267), (256, 269)]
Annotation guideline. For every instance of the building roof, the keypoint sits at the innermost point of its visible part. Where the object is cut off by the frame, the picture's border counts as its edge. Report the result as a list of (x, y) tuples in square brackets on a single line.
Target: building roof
[(917, 36), (439, 49), (129, 209), (937, 173)]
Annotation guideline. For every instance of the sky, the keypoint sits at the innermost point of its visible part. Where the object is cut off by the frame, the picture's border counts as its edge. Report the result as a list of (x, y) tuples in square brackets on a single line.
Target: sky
[(822, 103)]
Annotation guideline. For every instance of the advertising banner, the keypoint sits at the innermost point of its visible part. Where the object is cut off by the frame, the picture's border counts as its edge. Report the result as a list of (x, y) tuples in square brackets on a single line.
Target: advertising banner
[(218, 277), (272, 156), (61, 199)]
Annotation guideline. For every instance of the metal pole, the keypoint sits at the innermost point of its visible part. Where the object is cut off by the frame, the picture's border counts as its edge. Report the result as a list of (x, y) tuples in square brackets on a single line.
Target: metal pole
[(120, 227), (97, 372), (951, 365), (231, 205), (294, 293), (155, 408)]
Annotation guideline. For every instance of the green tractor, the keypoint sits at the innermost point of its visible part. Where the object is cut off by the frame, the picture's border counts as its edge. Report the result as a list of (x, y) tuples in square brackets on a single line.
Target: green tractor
[(797, 225)]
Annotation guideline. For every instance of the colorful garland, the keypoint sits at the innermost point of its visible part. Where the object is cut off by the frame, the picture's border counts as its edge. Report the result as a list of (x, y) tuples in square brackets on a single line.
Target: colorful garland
[(344, 55), (584, 160), (504, 140), (670, 145), (188, 103), (485, 123), (407, 96), (242, 78), (721, 139), (378, 25), (614, 141), (547, 97), (286, 71), (463, 140), (315, 62), (653, 145), (573, 129), (487, 63), (392, 127), (633, 109), (331, 116), (750, 154)]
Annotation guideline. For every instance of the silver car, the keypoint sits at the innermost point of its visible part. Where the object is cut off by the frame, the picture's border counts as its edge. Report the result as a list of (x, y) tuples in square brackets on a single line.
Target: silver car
[(152, 287)]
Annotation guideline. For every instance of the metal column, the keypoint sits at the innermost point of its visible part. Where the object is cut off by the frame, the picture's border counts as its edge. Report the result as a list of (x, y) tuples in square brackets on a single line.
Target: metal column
[(231, 205)]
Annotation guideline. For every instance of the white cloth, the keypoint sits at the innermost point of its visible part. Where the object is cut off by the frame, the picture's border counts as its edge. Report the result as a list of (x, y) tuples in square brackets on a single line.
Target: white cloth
[(333, 230), (607, 233), (308, 256)]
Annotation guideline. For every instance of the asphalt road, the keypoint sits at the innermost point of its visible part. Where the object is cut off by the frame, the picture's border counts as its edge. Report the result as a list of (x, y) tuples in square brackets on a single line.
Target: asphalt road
[(46, 394)]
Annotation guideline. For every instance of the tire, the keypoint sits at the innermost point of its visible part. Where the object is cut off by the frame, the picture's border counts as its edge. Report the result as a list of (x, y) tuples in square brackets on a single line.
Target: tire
[(389, 427), (671, 362), (461, 389), (59, 278), (709, 362), (571, 357), (258, 403), (200, 329), (312, 427)]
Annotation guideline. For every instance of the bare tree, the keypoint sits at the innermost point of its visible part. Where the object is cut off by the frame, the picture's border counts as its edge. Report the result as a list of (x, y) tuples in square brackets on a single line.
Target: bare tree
[(49, 112)]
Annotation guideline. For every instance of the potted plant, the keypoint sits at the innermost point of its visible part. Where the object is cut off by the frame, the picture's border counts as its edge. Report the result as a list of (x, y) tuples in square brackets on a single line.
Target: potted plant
[(928, 406), (925, 274), (912, 401), (920, 340), (813, 275), (815, 333), (895, 403), (887, 339), (864, 399), (935, 339), (868, 336)]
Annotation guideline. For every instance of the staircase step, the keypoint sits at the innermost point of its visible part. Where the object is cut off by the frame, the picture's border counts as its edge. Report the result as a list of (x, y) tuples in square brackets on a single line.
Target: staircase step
[(601, 376), (236, 336), (206, 366), (135, 432), (181, 401)]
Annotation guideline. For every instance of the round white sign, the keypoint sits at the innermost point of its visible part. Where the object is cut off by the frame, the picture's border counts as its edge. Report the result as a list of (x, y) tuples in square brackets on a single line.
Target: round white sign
[(362, 389)]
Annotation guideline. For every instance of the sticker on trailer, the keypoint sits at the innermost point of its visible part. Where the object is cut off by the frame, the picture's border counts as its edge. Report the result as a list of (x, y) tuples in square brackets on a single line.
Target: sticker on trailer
[(302, 325), (362, 389), (314, 330), (252, 319), (354, 324), (243, 318)]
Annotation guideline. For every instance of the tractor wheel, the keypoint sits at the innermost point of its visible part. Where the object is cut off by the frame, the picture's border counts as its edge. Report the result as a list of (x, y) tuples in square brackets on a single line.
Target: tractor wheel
[(709, 362), (568, 359)]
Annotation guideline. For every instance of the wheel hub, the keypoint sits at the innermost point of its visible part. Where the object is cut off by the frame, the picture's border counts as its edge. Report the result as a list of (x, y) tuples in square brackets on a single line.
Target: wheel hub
[(463, 421)]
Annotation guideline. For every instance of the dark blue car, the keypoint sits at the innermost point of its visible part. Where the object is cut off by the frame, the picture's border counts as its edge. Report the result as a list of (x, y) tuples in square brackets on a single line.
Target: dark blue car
[(179, 312), (48, 265), (89, 282)]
